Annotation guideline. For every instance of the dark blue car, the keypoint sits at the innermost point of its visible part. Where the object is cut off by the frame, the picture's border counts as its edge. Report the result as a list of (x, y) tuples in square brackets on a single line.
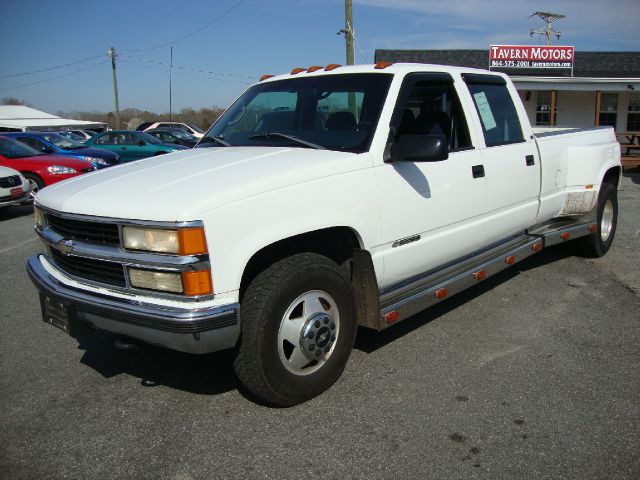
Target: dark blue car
[(55, 144)]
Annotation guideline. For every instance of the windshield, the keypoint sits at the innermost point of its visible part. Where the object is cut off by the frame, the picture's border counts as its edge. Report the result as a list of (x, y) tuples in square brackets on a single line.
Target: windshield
[(11, 149), (337, 112), (148, 138), (59, 141)]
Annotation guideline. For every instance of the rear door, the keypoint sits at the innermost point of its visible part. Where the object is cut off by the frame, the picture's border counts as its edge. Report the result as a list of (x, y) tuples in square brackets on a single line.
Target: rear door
[(431, 211), (510, 159)]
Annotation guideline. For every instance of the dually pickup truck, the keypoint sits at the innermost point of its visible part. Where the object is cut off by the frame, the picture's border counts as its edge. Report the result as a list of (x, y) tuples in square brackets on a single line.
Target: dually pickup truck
[(321, 200)]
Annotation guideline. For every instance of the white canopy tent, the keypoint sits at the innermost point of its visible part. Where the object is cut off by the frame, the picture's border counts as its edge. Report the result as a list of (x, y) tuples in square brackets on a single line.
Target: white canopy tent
[(24, 119)]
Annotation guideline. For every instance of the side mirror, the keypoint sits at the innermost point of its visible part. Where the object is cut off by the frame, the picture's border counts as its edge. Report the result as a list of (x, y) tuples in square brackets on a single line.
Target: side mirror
[(421, 148)]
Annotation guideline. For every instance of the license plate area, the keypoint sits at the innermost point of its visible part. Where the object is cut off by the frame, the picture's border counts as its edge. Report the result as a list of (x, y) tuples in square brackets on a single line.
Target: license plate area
[(61, 314)]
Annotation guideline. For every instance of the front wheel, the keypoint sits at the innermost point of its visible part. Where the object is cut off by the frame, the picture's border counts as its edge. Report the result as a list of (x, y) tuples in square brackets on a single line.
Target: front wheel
[(298, 328), (35, 182), (597, 244)]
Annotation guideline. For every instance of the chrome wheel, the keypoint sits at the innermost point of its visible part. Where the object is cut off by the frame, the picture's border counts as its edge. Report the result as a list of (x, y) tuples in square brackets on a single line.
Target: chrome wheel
[(33, 185), (606, 222), (308, 332)]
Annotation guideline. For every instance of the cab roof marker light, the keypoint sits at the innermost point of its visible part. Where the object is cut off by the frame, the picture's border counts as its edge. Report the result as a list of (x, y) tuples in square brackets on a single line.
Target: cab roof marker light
[(332, 66), (265, 76), (296, 71), (382, 65), (314, 68)]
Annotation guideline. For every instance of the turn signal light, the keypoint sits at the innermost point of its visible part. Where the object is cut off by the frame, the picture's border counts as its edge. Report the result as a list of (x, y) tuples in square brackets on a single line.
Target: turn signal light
[(296, 71), (565, 236), (381, 65), (510, 260), (314, 68), (593, 228), (480, 275), (392, 317), (192, 241), (265, 76), (331, 66), (197, 283), (441, 293)]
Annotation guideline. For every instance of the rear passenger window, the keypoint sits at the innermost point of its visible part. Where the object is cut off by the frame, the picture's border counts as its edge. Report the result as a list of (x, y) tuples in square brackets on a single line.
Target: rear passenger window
[(498, 116)]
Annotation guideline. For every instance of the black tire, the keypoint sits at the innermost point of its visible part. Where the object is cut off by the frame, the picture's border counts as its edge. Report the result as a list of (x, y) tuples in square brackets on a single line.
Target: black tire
[(36, 182), (276, 302), (597, 244)]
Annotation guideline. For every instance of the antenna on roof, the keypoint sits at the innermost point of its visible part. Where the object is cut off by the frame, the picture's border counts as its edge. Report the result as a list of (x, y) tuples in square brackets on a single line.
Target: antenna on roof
[(549, 31)]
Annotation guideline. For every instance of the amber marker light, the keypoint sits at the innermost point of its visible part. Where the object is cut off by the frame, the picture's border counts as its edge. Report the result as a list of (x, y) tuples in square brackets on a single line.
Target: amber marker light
[(593, 228), (510, 260), (265, 76), (314, 68), (565, 236), (296, 71), (589, 187), (332, 66), (381, 65), (192, 241), (536, 247), (441, 293), (197, 283), (391, 317), (480, 275)]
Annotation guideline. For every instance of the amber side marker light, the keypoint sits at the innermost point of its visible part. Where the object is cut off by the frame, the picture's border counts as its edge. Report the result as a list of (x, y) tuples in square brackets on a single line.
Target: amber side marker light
[(265, 76), (392, 317), (192, 241), (332, 66), (589, 187), (441, 293), (565, 236), (593, 228), (298, 70), (381, 65), (480, 275), (510, 260), (536, 247), (197, 283)]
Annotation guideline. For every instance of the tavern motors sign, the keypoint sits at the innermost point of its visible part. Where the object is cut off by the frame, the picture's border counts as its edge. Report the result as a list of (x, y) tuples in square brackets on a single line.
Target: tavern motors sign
[(527, 56)]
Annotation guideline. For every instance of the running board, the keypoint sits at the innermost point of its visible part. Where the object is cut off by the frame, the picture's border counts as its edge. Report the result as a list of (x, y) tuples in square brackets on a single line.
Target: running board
[(415, 295)]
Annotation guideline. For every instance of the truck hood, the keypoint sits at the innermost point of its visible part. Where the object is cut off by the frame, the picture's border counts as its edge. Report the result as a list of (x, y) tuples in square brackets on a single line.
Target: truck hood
[(182, 186)]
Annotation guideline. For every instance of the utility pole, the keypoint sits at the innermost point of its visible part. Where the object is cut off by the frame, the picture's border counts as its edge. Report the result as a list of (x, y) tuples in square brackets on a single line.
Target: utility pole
[(170, 74), (351, 60), (549, 18), (112, 54)]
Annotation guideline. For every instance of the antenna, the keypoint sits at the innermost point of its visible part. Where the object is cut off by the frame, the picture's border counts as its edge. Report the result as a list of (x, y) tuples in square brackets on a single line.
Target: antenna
[(549, 18)]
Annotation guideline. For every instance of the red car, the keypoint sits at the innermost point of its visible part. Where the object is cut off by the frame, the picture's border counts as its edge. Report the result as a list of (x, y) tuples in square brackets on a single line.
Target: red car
[(40, 169)]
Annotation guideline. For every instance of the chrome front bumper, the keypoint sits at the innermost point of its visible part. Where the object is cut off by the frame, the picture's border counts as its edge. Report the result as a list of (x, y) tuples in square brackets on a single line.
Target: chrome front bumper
[(199, 330)]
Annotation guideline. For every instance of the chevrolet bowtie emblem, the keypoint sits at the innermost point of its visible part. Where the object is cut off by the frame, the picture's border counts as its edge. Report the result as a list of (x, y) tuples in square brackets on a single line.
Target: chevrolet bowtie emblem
[(65, 246)]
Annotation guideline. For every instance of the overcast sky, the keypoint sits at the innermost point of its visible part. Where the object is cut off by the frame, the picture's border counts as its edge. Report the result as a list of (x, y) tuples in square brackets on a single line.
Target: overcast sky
[(221, 46)]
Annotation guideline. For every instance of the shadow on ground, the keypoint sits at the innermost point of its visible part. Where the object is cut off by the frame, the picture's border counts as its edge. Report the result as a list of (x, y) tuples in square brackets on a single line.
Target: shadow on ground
[(17, 211)]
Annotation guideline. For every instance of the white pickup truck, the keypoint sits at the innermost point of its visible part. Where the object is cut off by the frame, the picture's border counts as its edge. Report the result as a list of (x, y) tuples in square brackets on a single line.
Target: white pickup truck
[(321, 200)]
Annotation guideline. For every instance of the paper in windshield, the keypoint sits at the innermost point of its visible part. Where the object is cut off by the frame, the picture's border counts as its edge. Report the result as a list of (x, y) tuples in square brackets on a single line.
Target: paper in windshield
[(484, 110)]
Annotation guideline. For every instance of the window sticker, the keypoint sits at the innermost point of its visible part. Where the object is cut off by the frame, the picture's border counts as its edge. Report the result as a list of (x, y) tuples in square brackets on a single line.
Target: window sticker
[(485, 111)]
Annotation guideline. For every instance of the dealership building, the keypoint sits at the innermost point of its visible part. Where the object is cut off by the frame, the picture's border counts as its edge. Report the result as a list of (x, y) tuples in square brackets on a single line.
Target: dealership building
[(567, 89)]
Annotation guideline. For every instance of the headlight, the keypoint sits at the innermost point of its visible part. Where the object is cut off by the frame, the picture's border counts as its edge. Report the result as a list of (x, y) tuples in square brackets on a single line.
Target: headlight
[(38, 217), (182, 241), (190, 283), (99, 161), (60, 170)]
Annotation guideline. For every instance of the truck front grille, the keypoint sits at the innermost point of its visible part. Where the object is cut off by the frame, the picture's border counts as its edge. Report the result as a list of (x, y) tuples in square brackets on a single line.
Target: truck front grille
[(12, 181), (95, 232), (90, 269)]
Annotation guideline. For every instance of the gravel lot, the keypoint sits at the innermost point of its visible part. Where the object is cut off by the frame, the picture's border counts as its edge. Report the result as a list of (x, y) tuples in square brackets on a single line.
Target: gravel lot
[(533, 374)]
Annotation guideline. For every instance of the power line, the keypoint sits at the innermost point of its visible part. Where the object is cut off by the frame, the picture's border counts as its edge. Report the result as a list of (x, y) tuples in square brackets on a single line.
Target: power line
[(192, 69), (219, 17), (51, 68), (54, 78)]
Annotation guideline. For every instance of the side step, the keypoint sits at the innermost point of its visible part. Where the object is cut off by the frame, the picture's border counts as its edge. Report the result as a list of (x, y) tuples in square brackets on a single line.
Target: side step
[(417, 294)]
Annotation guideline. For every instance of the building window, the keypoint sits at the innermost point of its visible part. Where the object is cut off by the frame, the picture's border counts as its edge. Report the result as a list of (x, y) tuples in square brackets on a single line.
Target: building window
[(633, 113), (543, 110), (608, 109)]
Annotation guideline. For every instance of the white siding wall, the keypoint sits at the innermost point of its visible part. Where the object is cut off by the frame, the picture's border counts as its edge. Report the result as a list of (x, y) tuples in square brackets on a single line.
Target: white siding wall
[(529, 106), (576, 109)]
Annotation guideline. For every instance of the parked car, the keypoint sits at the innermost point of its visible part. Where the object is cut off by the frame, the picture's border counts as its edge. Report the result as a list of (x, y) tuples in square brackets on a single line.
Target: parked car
[(72, 136), (176, 136), (14, 188), (55, 144), (86, 134), (187, 127), (39, 169), (132, 145)]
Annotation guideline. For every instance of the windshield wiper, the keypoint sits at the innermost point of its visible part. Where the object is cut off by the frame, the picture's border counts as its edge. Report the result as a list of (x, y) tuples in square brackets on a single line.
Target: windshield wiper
[(216, 139), (287, 137)]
